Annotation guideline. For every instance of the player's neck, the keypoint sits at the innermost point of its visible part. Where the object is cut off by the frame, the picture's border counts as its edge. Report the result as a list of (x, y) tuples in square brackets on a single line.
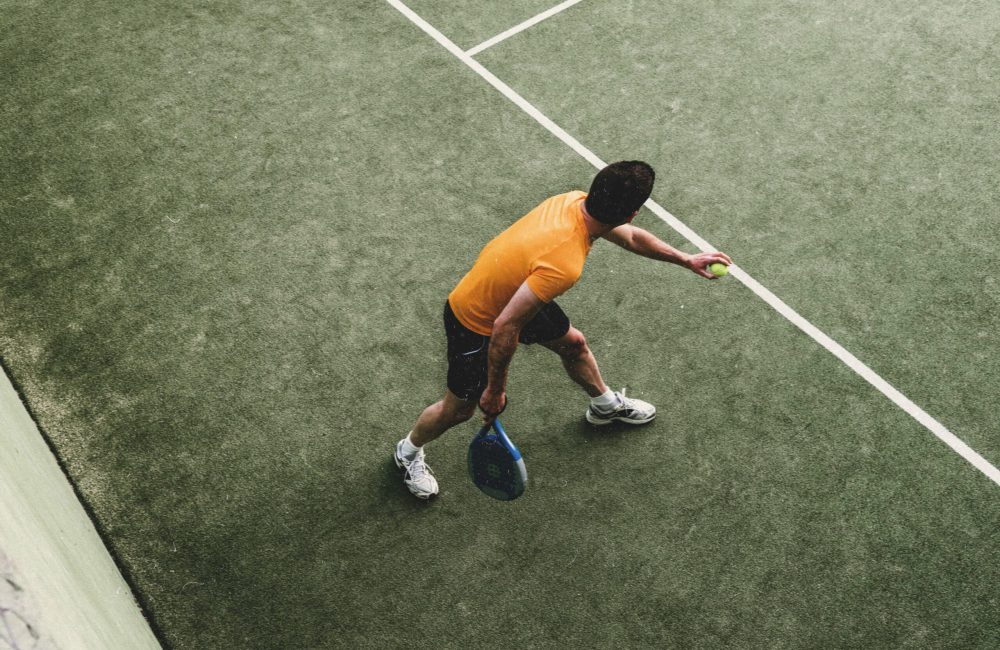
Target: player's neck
[(594, 227)]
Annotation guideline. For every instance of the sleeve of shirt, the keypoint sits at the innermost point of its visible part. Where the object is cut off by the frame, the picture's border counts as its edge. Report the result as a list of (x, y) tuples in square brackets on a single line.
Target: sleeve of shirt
[(548, 282)]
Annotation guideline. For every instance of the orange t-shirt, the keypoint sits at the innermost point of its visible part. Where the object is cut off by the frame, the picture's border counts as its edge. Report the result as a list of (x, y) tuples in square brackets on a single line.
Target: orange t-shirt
[(547, 248)]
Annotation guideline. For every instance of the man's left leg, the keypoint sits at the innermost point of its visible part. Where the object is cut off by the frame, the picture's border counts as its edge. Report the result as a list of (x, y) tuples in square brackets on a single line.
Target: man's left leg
[(606, 406), (579, 361)]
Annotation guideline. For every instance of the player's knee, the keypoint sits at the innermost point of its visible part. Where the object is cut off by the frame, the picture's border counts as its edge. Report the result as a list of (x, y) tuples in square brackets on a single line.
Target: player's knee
[(462, 414), (575, 346)]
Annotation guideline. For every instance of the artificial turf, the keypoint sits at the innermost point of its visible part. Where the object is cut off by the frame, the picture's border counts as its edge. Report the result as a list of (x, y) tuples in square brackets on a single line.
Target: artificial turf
[(844, 151), (228, 233)]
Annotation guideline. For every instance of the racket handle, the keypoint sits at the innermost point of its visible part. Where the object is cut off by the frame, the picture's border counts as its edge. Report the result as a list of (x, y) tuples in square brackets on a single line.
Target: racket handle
[(495, 424)]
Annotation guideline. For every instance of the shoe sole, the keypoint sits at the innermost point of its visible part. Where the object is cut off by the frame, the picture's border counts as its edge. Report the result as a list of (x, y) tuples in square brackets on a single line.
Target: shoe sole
[(402, 468), (602, 422)]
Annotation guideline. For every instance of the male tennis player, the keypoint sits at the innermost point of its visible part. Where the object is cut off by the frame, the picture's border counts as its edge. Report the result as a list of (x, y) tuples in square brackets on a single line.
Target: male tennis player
[(508, 297)]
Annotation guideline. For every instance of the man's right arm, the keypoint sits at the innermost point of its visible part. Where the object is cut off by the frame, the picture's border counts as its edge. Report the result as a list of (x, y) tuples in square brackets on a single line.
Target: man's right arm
[(521, 308)]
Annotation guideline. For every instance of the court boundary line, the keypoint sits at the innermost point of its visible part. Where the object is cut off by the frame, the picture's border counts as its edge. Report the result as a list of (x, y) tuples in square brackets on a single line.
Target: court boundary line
[(503, 36), (860, 368)]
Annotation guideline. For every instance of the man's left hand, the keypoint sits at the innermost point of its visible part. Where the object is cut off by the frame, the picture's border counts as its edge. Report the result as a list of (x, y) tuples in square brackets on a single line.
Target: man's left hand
[(699, 263)]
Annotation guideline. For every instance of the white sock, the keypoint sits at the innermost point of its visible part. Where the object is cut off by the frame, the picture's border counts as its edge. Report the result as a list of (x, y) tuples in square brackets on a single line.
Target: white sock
[(606, 402), (407, 449)]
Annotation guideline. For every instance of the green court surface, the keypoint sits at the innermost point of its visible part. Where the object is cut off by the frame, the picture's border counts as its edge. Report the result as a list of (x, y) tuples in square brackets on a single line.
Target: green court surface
[(228, 231)]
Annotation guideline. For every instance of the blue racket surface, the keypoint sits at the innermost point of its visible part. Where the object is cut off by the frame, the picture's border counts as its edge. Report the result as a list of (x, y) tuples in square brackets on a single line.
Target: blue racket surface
[(495, 464)]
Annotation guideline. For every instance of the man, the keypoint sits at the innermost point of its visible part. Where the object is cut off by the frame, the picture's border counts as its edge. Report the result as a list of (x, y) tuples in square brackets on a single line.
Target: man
[(508, 298)]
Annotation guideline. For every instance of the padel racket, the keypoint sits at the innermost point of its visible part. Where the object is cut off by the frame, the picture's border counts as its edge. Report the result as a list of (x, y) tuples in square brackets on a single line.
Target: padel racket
[(495, 464)]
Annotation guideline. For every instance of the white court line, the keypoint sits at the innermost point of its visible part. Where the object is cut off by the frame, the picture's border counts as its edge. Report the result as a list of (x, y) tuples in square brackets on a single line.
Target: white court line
[(520, 28), (869, 375)]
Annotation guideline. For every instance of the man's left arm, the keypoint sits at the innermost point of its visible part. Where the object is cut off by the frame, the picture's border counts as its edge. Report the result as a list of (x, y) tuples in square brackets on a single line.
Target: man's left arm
[(642, 242)]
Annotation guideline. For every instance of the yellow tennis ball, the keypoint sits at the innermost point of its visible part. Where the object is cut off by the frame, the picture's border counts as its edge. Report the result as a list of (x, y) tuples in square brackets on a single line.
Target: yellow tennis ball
[(718, 269)]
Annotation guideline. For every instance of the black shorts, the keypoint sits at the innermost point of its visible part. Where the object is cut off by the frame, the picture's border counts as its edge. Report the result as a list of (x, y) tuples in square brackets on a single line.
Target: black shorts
[(468, 351)]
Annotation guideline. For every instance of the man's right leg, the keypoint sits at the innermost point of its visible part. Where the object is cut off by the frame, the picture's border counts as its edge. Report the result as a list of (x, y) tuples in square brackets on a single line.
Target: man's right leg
[(441, 416), (467, 363), (435, 420)]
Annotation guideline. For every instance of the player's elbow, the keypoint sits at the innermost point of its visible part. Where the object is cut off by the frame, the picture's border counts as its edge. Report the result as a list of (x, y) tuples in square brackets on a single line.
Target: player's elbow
[(505, 329)]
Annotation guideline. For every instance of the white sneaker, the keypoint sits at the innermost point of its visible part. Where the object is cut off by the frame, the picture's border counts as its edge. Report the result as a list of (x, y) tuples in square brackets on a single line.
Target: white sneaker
[(417, 475), (629, 410)]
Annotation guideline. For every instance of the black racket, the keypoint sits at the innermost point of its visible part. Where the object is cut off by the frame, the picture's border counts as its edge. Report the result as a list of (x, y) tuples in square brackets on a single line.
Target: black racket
[(495, 464)]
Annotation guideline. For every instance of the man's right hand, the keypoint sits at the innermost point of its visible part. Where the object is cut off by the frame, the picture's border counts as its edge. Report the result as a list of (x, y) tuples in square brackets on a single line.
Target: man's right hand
[(492, 403)]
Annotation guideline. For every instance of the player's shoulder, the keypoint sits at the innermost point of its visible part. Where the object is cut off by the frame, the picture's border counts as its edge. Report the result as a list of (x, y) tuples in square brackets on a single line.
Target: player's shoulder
[(553, 212), (559, 203)]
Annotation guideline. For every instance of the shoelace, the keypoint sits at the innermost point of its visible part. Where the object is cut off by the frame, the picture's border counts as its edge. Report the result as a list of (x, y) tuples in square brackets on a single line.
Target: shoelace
[(625, 403), (418, 468), (628, 402)]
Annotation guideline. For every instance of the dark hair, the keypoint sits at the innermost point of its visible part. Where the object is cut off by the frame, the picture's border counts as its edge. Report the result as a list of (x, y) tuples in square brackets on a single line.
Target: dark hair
[(619, 190)]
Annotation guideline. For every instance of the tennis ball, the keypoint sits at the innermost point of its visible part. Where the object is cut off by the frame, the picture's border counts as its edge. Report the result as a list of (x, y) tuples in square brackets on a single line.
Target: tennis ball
[(718, 269)]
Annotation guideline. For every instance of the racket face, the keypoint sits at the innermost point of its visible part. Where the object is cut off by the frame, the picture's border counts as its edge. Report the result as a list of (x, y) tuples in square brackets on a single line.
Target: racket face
[(495, 464)]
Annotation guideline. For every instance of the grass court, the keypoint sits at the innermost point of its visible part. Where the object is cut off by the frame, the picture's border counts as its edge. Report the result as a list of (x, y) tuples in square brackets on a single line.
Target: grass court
[(228, 228)]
